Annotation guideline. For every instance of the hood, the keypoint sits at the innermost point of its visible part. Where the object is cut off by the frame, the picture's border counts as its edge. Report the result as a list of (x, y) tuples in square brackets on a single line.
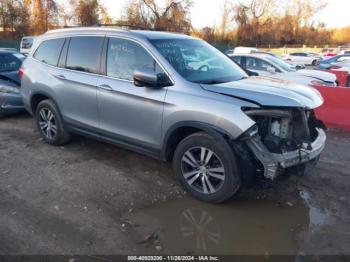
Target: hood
[(324, 76), (295, 78), (270, 92), (295, 64), (11, 76)]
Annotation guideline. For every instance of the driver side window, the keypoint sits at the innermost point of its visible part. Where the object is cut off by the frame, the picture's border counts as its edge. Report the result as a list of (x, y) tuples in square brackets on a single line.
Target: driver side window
[(258, 64), (125, 56)]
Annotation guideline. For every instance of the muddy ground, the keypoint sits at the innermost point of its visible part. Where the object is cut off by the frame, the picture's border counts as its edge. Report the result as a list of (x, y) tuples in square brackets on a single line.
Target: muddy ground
[(89, 197)]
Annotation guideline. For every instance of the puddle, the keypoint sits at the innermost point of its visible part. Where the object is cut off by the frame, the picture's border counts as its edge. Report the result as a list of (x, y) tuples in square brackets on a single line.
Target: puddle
[(242, 226), (317, 217)]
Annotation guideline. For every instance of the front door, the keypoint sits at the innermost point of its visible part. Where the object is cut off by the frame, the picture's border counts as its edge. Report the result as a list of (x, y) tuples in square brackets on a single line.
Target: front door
[(127, 113)]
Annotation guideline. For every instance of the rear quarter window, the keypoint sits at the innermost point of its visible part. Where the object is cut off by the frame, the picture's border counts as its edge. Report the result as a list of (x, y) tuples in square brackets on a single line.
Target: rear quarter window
[(49, 51)]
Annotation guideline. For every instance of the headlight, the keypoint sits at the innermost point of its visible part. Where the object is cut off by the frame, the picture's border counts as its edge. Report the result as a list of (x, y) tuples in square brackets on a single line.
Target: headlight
[(8, 89)]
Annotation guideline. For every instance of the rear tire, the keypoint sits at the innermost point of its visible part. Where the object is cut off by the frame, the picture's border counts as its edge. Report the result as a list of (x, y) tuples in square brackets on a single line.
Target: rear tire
[(314, 62), (207, 168), (50, 124)]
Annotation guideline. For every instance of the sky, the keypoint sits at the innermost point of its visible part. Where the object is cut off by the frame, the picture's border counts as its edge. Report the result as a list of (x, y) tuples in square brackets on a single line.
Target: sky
[(207, 12)]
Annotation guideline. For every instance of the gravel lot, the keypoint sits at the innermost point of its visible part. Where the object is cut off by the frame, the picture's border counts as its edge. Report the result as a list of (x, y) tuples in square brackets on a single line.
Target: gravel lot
[(89, 197)]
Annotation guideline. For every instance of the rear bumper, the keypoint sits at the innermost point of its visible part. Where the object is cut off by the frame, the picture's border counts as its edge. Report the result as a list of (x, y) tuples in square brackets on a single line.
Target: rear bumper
[(11, 103), (273, 162)]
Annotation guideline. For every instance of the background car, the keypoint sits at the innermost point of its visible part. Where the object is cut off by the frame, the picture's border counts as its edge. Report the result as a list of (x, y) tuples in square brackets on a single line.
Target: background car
[(295, 65), (10, 97), (303, 57), (328, 52), (266, 65), (26, 44), (327, 63), (244, 50), (341, 66), (344, 52)]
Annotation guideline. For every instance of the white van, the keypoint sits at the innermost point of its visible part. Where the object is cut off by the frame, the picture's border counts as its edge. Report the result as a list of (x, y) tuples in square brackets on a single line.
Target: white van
[(245, 50), (26, 44)]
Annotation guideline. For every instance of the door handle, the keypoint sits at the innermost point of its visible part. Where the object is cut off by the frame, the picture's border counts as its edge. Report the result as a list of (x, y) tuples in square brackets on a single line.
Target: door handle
[(106, 87), (62, 77)]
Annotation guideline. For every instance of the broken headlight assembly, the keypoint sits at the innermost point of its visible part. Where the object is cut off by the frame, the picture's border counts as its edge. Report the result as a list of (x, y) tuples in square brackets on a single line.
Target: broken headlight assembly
[(283, 138)]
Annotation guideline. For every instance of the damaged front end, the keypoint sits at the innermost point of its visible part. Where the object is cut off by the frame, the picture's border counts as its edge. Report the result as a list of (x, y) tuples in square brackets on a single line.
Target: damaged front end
[(284, 138)]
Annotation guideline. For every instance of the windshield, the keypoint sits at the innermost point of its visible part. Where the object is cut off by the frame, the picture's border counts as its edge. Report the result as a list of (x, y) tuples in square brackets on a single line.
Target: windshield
[(10, 62), (198, 62), (281, 64)]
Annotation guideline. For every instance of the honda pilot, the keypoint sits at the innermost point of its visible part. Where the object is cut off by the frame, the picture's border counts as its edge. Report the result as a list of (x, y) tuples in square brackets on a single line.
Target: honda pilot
[(175, 98)]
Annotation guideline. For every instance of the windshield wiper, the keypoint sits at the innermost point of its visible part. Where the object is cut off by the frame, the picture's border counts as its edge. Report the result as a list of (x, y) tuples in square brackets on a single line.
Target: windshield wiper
[(243, 77), (210, 82)]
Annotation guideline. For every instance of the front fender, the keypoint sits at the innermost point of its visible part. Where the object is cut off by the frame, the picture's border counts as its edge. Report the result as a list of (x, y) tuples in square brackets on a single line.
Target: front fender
[(214, 131)]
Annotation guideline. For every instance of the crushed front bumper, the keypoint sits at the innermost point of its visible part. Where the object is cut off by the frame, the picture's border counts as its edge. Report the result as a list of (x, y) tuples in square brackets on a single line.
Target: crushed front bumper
[(272, 162)]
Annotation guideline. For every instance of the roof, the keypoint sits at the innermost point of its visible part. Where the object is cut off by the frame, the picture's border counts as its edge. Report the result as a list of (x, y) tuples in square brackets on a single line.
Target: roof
[(159, 34), (140, 33), (264, 55)]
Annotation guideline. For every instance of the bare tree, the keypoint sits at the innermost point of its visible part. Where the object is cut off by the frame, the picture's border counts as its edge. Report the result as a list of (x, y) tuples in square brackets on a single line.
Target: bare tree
[(174, 16), (86, 12)]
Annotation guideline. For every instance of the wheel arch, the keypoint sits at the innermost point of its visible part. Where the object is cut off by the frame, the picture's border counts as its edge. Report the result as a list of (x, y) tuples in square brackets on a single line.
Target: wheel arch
[(36, 98), (179, 131)]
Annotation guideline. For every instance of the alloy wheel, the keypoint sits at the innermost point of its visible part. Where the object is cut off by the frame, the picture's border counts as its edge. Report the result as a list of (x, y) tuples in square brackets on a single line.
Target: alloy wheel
[(203, 170), (47, 123)]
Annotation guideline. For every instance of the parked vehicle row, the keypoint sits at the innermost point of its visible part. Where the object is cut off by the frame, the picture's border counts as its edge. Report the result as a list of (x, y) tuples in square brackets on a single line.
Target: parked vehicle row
[(271, 66), (327, 63), (303, 57), (175, 98)]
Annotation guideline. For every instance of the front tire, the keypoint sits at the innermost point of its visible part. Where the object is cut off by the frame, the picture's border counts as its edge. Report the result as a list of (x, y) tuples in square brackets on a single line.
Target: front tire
[(50, 124), (207, 168)]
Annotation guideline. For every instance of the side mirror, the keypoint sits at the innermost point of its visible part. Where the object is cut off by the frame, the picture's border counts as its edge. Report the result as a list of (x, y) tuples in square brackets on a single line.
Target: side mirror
[(146, 77), (271, 69)]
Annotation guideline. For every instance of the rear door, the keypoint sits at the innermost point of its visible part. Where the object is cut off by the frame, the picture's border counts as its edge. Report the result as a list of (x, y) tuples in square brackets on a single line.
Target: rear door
[(77, 74), (129, 114)]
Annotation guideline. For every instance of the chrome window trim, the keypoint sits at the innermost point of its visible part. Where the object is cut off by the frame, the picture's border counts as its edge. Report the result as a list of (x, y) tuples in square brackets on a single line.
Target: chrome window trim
[(61, 68), (104, 36)]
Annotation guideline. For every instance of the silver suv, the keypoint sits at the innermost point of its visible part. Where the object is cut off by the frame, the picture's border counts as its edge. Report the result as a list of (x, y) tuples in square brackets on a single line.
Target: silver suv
[(175, 98)]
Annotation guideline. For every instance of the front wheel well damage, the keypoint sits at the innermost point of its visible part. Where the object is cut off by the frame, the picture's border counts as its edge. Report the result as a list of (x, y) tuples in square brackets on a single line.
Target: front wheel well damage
[(247, 164)]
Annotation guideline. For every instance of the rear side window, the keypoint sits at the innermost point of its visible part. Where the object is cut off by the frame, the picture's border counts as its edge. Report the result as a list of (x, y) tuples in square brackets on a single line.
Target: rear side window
[(49, 51), (84, 53)]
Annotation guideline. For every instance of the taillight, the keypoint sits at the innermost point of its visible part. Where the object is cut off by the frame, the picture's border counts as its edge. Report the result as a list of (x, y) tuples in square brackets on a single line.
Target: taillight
[(21, 72)]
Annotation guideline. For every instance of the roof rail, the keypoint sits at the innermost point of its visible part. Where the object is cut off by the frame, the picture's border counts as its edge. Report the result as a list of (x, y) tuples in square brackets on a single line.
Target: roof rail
[(126, 26)]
